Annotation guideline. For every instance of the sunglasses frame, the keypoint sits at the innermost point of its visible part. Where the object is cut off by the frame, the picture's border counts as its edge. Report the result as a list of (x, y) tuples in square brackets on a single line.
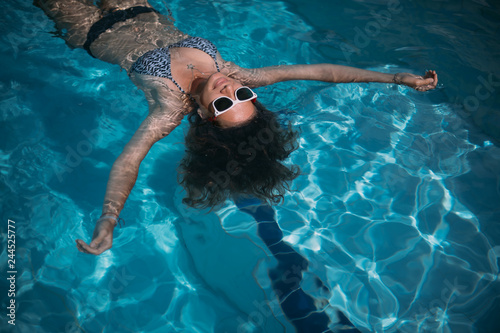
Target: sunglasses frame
[(235, 102)]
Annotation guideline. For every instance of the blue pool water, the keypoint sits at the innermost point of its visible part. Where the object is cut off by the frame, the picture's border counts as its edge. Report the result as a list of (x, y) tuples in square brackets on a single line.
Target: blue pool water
[(393, 225)]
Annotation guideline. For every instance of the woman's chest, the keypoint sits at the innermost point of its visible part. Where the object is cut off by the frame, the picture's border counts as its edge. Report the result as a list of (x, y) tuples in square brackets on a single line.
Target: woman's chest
[(188, 63)]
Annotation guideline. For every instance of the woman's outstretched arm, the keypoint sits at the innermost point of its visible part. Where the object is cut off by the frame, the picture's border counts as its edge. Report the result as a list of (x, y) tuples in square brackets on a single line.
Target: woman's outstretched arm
[(124, 175), (346, 74), (327, 73)]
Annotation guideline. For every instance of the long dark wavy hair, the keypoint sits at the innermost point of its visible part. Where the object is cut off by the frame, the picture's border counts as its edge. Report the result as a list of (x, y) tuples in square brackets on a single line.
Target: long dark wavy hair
[(247, 160)]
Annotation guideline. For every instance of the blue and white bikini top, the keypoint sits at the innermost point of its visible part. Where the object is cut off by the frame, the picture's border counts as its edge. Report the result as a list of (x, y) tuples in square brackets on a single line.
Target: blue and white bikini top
[(157, 62)]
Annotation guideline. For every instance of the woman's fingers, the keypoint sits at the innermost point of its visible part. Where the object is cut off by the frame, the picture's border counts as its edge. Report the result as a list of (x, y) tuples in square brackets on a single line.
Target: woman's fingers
[(94, 247), (102, 238), (428, 82), (435, 77), (431, 78), (83, 247)]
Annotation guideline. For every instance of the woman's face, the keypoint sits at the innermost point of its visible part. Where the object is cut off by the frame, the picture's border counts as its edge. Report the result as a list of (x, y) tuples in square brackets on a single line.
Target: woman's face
[(218, 85)]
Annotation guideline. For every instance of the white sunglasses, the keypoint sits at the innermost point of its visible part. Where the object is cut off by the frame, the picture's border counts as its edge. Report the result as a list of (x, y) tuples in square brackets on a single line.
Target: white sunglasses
[(223, 104)]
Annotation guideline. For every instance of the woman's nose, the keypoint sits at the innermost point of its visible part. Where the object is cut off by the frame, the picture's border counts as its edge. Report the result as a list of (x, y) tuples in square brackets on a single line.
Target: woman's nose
[(229, 91)]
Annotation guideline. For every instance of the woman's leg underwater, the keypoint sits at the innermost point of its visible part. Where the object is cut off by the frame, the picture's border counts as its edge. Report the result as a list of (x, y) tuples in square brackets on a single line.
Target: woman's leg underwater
[(72, 17)]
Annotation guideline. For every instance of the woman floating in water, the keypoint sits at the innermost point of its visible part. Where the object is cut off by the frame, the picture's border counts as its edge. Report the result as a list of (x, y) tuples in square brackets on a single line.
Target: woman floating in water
[(234, 146)]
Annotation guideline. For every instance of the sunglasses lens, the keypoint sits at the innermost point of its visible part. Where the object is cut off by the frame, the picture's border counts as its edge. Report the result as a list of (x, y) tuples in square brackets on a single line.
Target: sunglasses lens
[(223, 104), (244, 94)]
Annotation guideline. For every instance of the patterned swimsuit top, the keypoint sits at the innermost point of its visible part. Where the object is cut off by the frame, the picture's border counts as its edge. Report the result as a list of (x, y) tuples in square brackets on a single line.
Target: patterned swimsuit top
[(157, 62)]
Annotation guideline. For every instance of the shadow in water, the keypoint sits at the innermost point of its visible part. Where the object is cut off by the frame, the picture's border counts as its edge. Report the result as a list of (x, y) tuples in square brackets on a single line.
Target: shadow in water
[(299, 307)]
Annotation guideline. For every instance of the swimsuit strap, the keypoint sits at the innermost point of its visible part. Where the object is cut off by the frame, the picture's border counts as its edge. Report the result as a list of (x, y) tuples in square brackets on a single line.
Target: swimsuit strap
[(178, 86), (110, 19)]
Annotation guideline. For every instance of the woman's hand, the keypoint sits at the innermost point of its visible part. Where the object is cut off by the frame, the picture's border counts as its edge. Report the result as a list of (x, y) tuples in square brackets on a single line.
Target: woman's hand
[(417, 82), (102, 239)]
